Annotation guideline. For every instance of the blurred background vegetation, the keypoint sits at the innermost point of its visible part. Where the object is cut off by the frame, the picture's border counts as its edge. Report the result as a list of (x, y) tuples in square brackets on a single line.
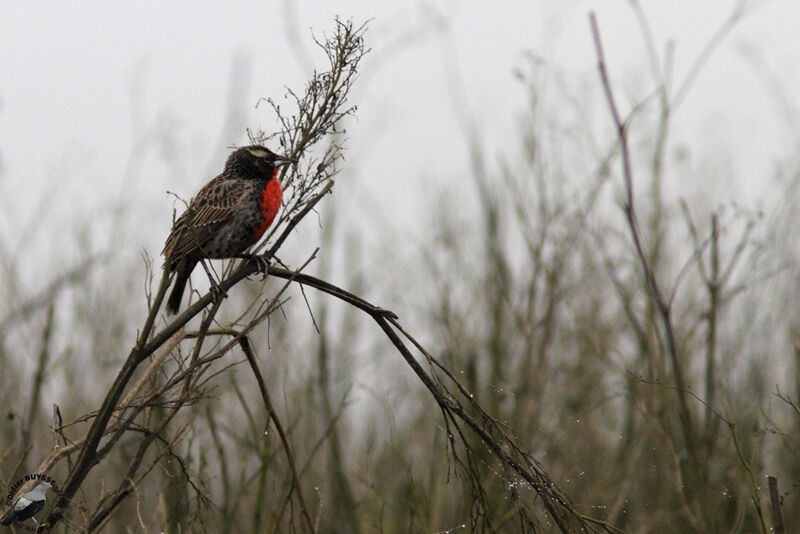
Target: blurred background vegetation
[(526, 285)]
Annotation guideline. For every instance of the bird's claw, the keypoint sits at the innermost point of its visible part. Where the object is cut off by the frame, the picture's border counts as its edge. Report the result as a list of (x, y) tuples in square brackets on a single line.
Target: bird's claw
[(261, 263), (217, 293)]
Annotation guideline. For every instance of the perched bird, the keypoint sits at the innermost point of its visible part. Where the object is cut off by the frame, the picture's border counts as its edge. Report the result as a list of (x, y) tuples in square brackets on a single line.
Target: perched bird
[(228, 215), (28, 505)]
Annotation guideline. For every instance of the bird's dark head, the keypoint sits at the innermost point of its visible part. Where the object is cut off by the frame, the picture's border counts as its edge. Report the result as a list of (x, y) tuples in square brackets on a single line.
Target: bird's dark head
[(256, 162)]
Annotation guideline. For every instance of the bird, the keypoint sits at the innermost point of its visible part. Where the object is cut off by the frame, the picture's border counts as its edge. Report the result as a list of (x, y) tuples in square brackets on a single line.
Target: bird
[(28, 505), (228, 215)]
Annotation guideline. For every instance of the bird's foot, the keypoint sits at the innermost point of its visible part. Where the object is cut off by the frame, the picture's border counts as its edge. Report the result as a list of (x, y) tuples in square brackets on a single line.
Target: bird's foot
[(217, 293), (260, 261)]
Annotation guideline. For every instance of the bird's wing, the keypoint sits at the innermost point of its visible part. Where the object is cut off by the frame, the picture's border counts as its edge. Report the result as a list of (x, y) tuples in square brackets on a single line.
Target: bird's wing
[(22, 503), (213, 206), (29, 511)]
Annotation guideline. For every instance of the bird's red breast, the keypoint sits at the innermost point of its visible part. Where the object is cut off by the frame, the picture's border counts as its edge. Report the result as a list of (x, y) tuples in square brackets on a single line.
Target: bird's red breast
[(271, 198)]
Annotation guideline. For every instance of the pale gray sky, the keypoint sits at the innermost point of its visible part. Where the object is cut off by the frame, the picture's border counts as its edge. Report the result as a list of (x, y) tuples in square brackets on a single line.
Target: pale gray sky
[(83, 83)]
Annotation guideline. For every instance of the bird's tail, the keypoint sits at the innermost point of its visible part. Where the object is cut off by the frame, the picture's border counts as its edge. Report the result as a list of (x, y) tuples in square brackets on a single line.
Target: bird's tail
[(8, 519), (175, 298)]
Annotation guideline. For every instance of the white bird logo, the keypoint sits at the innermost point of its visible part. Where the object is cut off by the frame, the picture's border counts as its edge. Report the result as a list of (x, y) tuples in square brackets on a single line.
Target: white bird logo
[(28, 505)]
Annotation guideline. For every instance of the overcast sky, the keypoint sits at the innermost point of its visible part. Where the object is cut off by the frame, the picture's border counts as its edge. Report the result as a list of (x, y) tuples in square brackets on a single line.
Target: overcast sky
[(87, 84)]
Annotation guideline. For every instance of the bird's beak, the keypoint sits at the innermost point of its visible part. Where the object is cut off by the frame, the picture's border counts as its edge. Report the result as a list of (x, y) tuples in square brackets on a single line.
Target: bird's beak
[(283, 160)]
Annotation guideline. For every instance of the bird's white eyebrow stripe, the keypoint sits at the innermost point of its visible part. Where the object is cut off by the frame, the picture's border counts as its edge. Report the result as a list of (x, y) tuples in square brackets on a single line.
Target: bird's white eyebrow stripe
[(257, 152)]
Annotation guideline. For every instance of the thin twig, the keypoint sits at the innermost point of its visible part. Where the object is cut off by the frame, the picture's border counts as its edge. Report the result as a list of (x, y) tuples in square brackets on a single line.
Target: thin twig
[(244, 343), (775, 506), (661, 305)]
